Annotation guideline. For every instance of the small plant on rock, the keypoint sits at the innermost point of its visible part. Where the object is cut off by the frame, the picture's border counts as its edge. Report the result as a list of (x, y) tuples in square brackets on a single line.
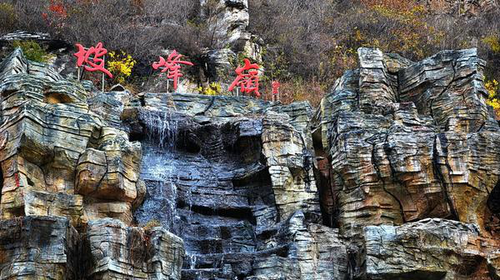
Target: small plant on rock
[(212, 89), (151, 224), (493, 87), (32, 50)]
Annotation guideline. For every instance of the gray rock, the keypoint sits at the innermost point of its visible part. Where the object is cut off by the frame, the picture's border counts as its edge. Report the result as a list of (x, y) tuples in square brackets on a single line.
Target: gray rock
[(116, 251), (430, 249), (38, 247)]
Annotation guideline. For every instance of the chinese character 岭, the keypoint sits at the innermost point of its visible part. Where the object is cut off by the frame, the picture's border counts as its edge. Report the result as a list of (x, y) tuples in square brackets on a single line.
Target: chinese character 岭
[(247, 81)]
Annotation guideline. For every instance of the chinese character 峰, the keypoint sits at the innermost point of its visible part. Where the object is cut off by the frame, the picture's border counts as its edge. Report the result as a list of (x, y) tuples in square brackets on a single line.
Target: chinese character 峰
[(171, 66)]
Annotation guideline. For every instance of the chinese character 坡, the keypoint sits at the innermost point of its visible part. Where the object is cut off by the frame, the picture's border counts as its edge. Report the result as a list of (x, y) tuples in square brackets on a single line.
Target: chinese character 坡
[(92, 58)]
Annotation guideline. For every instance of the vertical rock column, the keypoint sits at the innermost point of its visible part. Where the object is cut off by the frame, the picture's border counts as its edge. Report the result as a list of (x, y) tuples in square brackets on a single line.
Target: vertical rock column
[(289, 159)]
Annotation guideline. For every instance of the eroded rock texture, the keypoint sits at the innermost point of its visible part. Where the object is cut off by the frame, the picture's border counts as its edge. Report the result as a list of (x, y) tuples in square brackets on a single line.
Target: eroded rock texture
[(67, 163), (446, 250), (409, 141), (394, 177), (119, 252), (38, 247), (54, 149), (226, 174)]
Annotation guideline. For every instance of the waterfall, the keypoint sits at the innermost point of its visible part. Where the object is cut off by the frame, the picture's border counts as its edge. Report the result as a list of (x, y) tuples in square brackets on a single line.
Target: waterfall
[(159, 169), (161, 128), (190, 191)]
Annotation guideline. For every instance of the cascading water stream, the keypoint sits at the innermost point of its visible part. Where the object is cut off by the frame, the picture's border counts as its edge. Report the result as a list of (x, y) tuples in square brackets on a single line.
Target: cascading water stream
[(159, 169), (190, 177)]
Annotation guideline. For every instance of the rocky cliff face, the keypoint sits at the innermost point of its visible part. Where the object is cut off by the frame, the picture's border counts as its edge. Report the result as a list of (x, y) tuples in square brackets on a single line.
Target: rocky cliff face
[(409, 141), (393, 177)]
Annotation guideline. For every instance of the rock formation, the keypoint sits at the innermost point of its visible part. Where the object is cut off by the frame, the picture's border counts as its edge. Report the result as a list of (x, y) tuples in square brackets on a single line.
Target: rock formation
[(394, 176), (409, 141), (226, 174), (228, 21), (65, 167)]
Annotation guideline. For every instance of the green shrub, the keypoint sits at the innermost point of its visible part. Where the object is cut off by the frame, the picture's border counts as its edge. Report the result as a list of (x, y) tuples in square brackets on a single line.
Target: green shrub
[(32, 50), (493, 43)]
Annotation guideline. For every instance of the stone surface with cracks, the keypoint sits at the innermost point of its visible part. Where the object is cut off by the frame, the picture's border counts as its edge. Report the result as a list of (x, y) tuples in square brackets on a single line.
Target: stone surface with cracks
[(394, 177), (409, 141), (67, 163)]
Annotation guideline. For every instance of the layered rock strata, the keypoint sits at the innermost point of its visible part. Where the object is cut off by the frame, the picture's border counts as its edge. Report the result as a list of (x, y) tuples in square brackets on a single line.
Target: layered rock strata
[(67, 165), (230, 172), (408, 141), (394, 177)]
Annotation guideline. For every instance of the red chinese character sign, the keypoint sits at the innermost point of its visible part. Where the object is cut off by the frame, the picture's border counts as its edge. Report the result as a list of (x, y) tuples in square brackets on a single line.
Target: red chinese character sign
[(276, 90), (93, 58), (172, 66), (247, 79)]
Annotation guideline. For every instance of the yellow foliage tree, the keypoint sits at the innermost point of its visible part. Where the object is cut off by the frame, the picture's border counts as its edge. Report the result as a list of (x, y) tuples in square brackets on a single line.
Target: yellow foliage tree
[(492, 87), (212, 89), (121, 65)]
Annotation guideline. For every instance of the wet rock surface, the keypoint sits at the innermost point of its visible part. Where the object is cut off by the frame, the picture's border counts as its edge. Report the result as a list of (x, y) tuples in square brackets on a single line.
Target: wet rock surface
[(394, 177), (226, 173)]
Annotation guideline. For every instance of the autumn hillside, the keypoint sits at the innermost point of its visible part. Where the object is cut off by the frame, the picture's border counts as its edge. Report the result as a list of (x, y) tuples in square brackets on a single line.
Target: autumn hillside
[(306, 45)]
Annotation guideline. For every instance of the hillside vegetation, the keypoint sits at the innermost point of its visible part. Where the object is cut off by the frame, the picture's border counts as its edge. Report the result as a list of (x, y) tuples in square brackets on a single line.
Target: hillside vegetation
[(306, 44)]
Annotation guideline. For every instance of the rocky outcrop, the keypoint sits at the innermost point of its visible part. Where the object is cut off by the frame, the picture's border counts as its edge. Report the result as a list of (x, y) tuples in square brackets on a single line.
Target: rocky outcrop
[(409, 141), (67, 163), (446, 250), (116, 251), (406, 160), (394, 177), (228, 21), (54, 149), (229, 173), (309, 251), (38, 247)]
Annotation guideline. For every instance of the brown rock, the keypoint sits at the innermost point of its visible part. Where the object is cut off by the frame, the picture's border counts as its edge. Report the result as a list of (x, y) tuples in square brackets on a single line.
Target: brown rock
[(49, 136), (38, 247), (119, 252)]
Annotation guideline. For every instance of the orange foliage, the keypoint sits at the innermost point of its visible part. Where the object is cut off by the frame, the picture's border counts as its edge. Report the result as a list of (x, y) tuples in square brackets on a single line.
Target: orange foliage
[(56, 14), (391, 4)]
